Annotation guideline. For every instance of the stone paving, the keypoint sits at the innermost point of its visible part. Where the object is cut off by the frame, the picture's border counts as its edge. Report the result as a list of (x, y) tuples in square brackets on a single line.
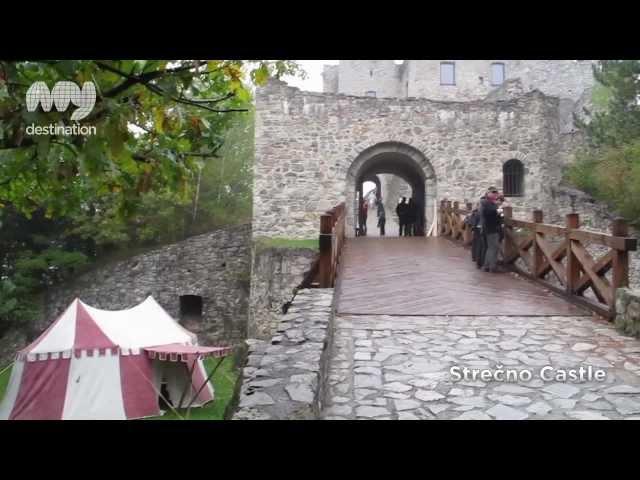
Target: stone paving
[(284, 378), (386, 367)]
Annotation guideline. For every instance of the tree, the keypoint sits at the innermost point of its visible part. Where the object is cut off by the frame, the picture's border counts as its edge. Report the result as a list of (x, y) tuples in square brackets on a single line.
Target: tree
[(160, 127), (618, 91), (157, 124), (609, 168)]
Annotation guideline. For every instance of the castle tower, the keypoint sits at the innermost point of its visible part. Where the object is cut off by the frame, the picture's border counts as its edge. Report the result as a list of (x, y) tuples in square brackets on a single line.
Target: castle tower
[(375, 78)]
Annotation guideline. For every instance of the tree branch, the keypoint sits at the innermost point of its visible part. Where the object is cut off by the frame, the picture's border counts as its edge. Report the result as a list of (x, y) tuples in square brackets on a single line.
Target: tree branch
[(146, 81)]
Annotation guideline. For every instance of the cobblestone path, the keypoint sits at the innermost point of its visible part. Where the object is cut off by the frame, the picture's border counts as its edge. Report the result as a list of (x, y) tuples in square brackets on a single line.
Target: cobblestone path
[(386, 367)]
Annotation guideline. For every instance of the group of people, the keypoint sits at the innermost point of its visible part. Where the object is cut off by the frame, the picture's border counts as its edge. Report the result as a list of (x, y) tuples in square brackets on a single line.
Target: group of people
[(408, 217), (486, 222)]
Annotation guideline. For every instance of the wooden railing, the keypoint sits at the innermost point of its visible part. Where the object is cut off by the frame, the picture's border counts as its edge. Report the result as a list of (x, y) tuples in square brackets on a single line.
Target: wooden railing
[(566, 259), (451, 221), (332, 237)]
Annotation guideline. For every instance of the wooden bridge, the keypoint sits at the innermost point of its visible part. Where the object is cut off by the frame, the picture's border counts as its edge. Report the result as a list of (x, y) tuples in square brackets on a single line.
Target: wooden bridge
[(550, 269)]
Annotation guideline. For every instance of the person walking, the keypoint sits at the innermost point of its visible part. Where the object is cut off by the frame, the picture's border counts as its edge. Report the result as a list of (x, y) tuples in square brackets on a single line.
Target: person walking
[(401, 211), (491, 228), (364, 215), (381, 217)]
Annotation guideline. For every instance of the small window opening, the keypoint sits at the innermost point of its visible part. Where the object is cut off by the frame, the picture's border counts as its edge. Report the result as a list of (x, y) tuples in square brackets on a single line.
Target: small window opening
[(190, 309)]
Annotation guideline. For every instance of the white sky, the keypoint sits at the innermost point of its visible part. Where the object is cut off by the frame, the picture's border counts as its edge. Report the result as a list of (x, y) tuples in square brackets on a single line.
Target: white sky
[(313, 83)]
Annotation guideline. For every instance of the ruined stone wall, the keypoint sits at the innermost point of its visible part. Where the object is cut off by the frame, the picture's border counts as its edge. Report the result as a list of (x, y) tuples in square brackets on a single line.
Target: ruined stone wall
[(306, 143), (214, 266), (421, 78), (356, 77), (275, 273)]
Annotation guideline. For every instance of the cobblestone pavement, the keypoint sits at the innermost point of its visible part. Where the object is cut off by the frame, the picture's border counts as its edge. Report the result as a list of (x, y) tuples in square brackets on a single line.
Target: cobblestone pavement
[(386, 367)]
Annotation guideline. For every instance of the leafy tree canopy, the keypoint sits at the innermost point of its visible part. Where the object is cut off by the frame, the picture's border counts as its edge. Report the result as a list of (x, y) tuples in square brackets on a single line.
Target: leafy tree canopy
[(157, 123)]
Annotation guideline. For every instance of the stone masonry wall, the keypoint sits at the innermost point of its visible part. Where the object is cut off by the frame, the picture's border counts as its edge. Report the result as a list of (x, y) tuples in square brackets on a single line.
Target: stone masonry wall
[(214, 266), (307, 142), (628, 311), (285, 378), (275, 273)]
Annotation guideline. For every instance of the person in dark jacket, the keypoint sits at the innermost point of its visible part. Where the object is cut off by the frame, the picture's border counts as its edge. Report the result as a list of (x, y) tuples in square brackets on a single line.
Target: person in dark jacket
[(473, 221), (401, 211), (382, 219), (491, 229), (412, 214), (481, 245)]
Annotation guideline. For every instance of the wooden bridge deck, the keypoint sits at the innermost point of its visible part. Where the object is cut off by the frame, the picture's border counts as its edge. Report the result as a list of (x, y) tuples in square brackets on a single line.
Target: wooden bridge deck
[(433, 276)]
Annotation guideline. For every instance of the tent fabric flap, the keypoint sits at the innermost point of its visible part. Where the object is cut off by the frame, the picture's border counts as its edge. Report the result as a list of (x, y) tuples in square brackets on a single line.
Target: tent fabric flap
[(181, 353)]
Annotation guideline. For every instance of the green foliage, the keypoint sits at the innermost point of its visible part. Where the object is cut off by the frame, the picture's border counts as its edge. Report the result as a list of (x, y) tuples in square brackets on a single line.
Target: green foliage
[(157, 123), (616, 95), (612, 175), (171, 157), (610, 168)]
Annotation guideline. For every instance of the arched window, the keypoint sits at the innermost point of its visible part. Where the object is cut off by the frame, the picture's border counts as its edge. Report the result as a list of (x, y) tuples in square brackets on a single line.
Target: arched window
[(513, 178)]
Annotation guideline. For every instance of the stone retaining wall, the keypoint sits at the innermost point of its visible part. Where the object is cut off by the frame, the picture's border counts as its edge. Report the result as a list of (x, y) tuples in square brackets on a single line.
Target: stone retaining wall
[(628, 311), (285, 378), (275, 273), (214, 266)]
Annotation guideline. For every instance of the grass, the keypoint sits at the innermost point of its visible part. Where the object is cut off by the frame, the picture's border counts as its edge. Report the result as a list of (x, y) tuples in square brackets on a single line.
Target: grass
[(4, 380), (224, 381), (268, 242)]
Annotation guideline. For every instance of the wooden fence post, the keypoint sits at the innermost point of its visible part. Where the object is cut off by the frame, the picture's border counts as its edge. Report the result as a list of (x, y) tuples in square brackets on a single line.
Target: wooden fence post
[(573, 266), (455, 221), (620, 273), (467, 237), (537, 252), (326, 247)]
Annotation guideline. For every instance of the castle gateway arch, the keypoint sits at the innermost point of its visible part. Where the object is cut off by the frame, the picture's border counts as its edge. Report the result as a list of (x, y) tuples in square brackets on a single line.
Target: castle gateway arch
[(314, 150), (394, 158)]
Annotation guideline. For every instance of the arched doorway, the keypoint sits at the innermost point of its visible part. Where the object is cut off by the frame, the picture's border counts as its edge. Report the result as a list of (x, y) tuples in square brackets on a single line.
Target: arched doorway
[(397, 159)]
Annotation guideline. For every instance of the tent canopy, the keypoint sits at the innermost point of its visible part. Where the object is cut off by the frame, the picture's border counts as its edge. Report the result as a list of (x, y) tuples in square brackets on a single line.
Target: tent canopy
[(83, 327), (100, 364)]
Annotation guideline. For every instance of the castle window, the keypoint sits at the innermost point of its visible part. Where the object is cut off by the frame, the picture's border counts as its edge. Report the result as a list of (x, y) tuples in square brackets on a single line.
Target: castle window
[(370, 93), (513, 178), (497, 73), (447, 73)]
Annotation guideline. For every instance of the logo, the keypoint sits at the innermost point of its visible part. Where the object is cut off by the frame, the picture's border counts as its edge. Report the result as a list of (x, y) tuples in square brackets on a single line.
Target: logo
[(62, 94)]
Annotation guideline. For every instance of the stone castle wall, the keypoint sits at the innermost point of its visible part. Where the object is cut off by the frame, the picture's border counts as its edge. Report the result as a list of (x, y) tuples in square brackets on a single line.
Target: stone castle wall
[(275, 273), (307, 142), (214, 266), (421, 78)]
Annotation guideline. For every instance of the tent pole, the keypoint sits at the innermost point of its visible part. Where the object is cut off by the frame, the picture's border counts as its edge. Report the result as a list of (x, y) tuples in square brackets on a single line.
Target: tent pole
[(6, 368), (190, 384), (203, 385)]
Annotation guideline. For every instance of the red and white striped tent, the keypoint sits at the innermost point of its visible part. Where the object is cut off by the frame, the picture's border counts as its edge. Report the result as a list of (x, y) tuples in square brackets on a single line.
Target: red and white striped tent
[(100, 364)]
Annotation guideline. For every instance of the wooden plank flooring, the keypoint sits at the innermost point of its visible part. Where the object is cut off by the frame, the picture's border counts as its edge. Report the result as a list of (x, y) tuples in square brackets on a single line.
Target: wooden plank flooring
[(433, 276)]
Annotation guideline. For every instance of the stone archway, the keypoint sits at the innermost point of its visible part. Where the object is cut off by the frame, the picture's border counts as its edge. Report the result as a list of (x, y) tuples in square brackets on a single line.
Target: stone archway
[(394, 158)]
